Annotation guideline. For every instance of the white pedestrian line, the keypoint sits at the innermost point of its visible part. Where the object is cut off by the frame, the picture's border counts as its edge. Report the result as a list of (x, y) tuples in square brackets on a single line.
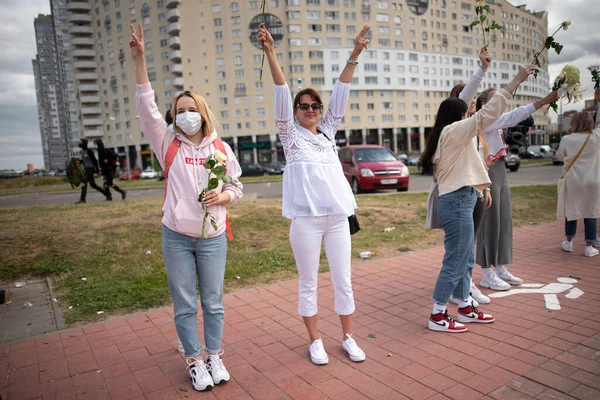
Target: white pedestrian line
[(549, 291)]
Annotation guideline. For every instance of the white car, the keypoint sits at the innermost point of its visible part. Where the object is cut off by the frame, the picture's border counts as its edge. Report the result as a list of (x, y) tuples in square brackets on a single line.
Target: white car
[(149, 173)]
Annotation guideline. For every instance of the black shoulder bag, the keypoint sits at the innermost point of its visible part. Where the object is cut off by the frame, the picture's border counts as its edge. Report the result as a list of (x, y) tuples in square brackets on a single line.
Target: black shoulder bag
[(352, 220)]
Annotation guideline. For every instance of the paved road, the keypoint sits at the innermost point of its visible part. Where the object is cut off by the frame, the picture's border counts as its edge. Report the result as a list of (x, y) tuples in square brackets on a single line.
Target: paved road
[(533, 175)]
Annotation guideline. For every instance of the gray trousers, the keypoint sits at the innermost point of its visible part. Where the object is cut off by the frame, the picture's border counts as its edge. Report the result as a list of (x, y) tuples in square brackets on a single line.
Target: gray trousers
[(495, 238)]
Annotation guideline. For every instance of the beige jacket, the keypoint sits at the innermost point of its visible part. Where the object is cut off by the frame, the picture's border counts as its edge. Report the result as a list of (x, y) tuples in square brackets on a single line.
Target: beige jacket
[(580, 196), (457, 161)]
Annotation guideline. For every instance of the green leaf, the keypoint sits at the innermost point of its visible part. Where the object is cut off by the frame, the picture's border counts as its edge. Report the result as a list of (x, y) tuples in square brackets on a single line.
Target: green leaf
[(229, 180), (219, 171), (554, 107), (372, 336), (487, 29), (535, 74), (213, 183), (549, 41), (487, 8), (204, 233), (558, 48), (477, 10), (474, 23), (483, 18), (201, 195), (213, 223)]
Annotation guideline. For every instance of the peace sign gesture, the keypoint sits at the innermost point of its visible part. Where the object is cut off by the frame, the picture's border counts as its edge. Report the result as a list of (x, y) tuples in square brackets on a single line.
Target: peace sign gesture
[(361, 43), (136, 43)]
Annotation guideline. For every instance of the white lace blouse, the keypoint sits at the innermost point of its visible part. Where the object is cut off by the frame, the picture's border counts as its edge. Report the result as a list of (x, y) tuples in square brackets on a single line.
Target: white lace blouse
[(313, 182)]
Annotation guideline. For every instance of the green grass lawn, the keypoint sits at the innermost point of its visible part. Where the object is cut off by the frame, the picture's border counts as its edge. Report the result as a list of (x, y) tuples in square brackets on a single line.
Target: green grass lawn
[(107, 244)]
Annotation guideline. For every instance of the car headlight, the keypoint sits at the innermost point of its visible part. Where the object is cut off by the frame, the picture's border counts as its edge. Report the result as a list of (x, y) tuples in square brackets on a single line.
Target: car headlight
[(366, 172), (404, 171)]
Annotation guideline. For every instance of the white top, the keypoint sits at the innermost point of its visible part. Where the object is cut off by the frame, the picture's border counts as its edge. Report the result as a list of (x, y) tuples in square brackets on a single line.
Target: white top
[(457, 162), (313, 182), (581, 190), (494, 134)]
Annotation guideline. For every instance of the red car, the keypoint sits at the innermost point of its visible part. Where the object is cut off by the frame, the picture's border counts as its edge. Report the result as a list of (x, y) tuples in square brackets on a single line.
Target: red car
[(369, 167), (125, 176)]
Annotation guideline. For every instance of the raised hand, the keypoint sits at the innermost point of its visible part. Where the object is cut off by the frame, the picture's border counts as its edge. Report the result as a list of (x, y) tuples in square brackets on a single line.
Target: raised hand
[(361, 43), (265, 38), (551, 98), (525, 71), (136, 43), (485, 57)]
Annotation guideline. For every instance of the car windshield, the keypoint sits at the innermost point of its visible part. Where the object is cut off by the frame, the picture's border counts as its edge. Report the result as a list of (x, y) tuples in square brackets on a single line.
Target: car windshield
[(375, 154)]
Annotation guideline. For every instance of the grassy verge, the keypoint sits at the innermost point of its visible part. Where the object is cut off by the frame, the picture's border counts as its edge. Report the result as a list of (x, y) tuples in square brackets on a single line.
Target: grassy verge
[(107, 244)]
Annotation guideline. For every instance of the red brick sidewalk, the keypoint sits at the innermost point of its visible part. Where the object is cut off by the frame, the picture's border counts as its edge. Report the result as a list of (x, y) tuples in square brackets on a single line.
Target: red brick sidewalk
[(530, 352)]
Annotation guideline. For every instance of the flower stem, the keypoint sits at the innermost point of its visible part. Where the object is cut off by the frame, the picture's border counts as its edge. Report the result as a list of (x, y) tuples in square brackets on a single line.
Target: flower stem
[(262, 62)]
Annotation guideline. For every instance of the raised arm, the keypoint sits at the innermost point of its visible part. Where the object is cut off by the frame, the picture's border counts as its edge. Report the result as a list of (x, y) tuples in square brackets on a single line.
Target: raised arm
[(266, 40), (467, 129), (470, 89), (513, 117), (359, 45), (151, 120)]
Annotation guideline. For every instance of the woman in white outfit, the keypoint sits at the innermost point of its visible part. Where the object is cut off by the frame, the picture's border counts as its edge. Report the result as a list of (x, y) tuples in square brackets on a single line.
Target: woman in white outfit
[(579, 195), (316, 195), (495, 237)]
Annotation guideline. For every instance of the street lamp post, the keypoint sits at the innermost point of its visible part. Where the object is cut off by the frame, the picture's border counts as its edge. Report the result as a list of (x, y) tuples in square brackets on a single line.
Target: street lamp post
[(125, 142)]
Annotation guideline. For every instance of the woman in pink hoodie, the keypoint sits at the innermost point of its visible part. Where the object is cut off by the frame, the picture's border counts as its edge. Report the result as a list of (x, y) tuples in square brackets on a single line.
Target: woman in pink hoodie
[(187, 254)]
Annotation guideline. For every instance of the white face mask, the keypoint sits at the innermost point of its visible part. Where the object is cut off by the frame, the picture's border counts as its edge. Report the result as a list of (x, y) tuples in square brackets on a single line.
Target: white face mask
[(189, 122)]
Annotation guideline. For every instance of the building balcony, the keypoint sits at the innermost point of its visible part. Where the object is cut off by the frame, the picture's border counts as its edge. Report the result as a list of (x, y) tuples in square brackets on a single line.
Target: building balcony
[(93, 133), (83, 42), (85, 64), (177, 69), (91, 111), (81, 30), (174, 28), (178, 82), (89, 88), (87, 76), (79, 18), (84, 53), (78, 6), (92, 122), (173, 15), (172, 3), (176, 56), (89, 99), (175, 42)]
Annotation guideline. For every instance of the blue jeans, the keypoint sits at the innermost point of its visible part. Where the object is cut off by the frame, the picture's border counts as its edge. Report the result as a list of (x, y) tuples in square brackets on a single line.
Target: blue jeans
[(186, 258), (590, 229), (455, 213)]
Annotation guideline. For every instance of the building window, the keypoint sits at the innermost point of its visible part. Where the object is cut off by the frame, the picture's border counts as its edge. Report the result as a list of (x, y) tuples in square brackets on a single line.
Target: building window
[(234, 7)]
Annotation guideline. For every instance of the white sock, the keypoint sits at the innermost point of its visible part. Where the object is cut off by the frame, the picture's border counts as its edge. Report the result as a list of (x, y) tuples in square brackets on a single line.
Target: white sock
[(463, 304), (486, 272), (499, 269), (438, 308)]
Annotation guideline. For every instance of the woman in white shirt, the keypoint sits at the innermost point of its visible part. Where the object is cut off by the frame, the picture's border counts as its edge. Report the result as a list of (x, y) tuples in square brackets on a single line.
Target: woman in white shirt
[(316, 195), (452, 152), (495, 238), (579, 195)]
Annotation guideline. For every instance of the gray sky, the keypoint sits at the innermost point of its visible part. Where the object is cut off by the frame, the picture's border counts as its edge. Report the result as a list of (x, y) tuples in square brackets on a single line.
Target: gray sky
[(20, 141)]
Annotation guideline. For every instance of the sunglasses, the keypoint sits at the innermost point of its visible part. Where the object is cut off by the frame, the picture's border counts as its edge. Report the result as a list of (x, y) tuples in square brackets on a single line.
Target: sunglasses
[(306, 106)]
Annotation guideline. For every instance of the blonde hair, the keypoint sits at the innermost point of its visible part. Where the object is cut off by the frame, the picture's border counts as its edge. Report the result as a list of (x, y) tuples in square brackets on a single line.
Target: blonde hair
[(582, 122), (209, 122)]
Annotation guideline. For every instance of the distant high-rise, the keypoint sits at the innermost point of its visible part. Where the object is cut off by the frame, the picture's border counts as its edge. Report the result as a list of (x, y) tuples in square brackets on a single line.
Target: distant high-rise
[(50, 96)]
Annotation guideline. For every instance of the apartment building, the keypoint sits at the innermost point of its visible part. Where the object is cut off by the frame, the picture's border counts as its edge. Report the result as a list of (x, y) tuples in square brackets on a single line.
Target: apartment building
[(418, 51)]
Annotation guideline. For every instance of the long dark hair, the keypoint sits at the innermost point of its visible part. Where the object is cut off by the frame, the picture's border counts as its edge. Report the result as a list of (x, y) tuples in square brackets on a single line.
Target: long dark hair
[(484, 97), (451, 110)]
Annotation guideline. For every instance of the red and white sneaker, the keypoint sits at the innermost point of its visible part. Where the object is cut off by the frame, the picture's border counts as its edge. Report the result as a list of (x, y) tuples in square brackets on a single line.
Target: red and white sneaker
[(472, 314), (443, 323)]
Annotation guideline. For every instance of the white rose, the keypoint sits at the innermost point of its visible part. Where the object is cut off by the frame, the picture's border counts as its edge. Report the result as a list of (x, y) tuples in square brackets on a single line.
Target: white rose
[(220, 157), (566, 24)]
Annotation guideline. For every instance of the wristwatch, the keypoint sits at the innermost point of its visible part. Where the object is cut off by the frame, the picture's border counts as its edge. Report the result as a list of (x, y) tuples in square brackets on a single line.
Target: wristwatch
[(349, 61)]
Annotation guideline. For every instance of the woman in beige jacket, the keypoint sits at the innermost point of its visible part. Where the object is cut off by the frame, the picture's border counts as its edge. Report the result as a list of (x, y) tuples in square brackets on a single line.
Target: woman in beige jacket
[(579, 193)]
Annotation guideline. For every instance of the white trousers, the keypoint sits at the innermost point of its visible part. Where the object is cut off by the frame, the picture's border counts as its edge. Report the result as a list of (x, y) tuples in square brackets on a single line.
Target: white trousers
[(306, 236)]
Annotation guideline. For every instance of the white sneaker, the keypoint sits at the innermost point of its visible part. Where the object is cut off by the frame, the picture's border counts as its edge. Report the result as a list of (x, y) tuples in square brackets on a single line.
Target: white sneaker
[(493, 282), (180, 346), (478, 297), (354, 352), (509, 278), (217, 370), (596, 243), (457, 301), (318, 355), (198, 371), (590, 251), (567, 246)]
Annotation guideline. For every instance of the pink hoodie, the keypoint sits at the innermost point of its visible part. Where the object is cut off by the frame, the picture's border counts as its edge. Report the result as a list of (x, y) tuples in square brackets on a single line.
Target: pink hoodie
[(187, 176)]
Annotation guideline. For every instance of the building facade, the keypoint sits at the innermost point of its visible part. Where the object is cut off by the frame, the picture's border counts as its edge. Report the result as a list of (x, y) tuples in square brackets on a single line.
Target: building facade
[(418, 51), (50, 96)]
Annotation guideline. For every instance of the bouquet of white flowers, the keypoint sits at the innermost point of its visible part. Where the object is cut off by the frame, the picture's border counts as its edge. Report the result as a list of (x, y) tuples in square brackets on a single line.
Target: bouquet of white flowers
[(568, 84)]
